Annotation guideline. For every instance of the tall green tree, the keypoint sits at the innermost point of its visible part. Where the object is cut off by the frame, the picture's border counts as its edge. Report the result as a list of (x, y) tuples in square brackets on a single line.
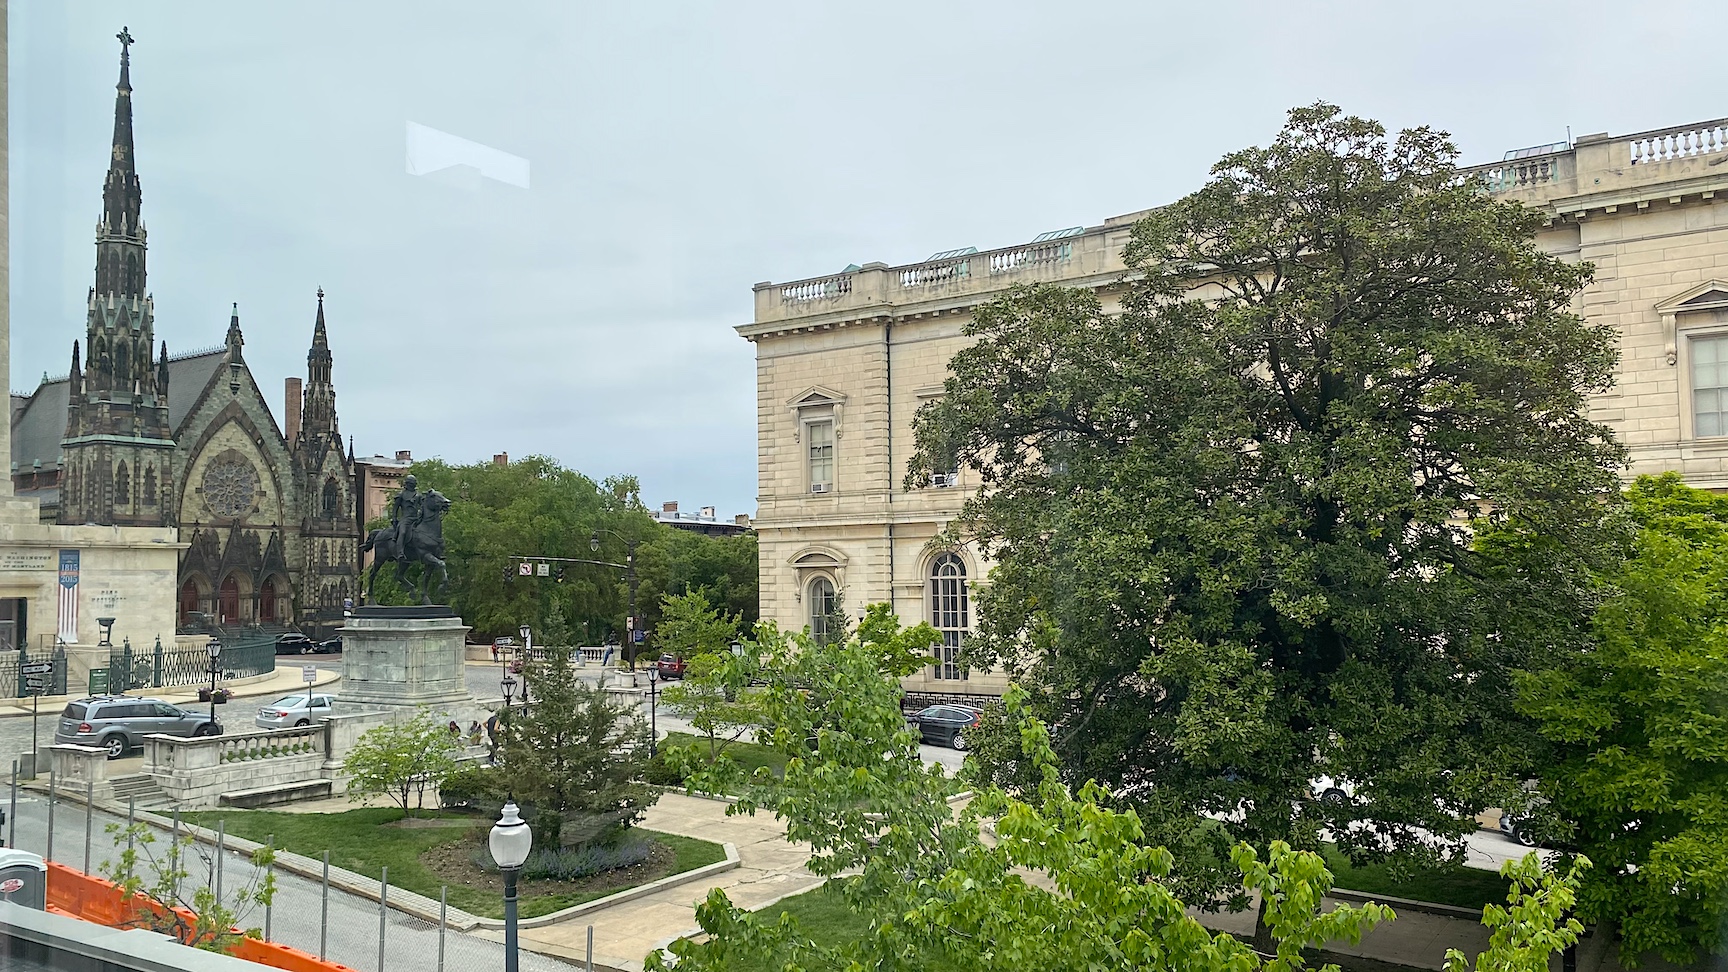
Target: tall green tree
[(1638, 730), (689, 626), (677, 562), (1232, 523)]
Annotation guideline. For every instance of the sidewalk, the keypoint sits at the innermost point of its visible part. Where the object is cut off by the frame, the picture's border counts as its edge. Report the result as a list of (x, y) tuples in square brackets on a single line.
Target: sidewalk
[(624, 934), (285, 680)]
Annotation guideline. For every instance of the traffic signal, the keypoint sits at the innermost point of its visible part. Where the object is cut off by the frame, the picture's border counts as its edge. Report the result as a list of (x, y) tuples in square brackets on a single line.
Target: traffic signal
[(559, 575), (508, 573)]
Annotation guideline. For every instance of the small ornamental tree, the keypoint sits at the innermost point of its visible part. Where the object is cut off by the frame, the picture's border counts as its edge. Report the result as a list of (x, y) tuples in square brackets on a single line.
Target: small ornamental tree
[(714, 697), (163, 899), (690, 626), (574, 759), (401, 759)]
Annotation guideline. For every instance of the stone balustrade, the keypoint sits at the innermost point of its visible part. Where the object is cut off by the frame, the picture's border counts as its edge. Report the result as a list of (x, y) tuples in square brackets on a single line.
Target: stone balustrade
[(1681, 141), (197, 771), (817, 289), (80, 770)]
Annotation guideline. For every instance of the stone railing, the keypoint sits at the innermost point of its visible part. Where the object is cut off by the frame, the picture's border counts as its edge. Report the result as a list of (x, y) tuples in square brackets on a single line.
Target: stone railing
[(942, 271), (80, 770), (1678, 142), (1521, 173), (819, 289), (1013, 258), (197, 771)]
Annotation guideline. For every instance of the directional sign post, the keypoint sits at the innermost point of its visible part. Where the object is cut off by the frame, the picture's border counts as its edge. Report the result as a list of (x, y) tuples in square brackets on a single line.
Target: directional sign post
[(38, 668)]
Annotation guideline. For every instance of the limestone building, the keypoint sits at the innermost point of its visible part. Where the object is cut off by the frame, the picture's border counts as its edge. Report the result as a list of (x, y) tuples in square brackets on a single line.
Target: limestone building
[(845, 360), (134, 437)]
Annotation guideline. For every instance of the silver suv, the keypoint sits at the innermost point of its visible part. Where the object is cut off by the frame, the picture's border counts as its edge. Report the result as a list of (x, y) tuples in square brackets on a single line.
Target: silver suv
[(120, 722)]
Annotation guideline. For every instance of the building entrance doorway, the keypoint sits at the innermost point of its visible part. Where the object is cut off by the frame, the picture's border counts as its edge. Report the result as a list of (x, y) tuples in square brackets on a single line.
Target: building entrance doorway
[(228, 601), (14, 633)]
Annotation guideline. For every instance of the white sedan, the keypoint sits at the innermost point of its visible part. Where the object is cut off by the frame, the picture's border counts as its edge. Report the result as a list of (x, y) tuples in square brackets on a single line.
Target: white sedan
[(295, 710)]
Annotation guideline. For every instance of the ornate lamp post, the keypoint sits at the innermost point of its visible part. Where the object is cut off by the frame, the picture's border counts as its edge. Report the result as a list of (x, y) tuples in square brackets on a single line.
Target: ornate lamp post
[(213, 647), (509, 687), (510, 842), (630, 575)]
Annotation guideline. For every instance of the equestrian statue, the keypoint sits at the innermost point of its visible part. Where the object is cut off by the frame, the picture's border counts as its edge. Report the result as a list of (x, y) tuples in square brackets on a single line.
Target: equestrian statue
[(415, 535)]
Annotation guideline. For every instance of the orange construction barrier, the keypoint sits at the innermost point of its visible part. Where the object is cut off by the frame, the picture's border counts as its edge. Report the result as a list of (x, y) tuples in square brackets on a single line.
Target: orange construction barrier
[(100, 901)]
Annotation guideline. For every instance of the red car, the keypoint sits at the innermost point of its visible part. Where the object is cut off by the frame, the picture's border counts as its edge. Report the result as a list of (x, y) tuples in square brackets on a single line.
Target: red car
[(670, 666)]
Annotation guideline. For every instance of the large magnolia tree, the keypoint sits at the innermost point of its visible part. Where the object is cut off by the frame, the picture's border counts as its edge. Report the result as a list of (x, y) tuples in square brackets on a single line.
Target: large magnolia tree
[(1233, 523)]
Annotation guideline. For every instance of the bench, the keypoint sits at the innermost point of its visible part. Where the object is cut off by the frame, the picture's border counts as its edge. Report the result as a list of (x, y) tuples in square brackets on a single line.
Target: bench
[(266, 796)]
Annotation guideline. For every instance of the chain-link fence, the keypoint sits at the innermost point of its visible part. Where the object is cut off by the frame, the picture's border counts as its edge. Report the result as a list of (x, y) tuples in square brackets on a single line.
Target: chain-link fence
[(307, 913)]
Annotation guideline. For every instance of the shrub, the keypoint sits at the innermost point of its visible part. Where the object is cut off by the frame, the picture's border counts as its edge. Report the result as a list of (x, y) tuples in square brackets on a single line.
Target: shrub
[(662, 772), (572, 863), (471, 786)]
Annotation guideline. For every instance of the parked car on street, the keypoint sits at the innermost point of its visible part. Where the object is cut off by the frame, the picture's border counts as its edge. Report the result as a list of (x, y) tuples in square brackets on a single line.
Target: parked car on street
[(290, 711), (671, 666), (945, 725), (294, 643), (332, 646), (118, 723)]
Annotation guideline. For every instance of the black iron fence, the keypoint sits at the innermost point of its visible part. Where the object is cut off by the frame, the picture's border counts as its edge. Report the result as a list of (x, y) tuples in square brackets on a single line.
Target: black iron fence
[(15, 666), (160, 666)]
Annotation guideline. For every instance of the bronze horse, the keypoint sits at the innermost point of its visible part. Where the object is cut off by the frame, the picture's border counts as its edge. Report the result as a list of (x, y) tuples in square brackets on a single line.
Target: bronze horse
[(425, 546)]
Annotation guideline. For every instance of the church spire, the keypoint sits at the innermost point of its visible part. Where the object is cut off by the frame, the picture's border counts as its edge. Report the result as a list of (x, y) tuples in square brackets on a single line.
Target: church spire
[(120, 271), (318, 413)]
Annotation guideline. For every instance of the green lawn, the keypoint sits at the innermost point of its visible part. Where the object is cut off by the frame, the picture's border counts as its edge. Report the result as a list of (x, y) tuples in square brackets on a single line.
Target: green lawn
[(745, 753), (358, 841), (1465, 887), (822, 916)]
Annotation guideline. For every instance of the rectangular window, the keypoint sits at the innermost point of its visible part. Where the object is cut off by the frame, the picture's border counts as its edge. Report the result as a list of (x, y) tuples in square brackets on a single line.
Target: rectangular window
[(820, 436), (1709, 386)]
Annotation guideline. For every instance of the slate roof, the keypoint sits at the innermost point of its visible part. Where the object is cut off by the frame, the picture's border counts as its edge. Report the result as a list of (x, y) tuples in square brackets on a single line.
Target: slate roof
[(40, 423)]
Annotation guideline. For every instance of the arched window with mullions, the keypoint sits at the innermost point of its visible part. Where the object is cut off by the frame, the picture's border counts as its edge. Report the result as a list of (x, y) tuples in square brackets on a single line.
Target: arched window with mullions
[(822, 604), (332, 498), (950, 613)]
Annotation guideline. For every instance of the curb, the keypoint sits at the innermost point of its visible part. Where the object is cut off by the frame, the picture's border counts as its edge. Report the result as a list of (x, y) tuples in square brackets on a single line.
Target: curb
[(628, 894), (1407, 904)]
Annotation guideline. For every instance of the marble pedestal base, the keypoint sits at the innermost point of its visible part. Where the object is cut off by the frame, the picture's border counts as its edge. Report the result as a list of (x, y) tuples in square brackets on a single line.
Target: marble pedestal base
[(403, 657)]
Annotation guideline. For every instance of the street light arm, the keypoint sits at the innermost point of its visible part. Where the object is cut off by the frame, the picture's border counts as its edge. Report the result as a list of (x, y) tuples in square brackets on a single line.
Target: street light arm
[(576, 560)]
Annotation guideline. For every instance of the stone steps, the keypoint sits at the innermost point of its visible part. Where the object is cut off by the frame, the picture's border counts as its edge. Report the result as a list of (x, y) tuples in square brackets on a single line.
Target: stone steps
[(141, 789)]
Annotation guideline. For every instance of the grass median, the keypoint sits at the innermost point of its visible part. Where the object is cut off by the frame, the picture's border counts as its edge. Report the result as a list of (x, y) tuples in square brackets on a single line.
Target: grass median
[(434, 849)]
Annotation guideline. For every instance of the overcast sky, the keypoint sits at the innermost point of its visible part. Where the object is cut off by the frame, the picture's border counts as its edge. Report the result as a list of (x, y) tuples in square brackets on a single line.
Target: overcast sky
[(680, 152)]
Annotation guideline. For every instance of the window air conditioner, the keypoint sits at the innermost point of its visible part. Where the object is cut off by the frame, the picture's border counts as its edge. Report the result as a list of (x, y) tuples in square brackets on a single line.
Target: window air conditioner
[(818, 487), (943, 479)]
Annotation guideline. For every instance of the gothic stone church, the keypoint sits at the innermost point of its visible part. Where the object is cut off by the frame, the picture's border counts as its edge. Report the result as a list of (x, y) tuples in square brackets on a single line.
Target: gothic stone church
[(135, 438)]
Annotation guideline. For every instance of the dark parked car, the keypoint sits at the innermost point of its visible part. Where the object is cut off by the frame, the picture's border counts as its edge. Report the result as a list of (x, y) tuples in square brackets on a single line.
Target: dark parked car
[(293, 643), (119, 722), (943, 725), (331, 647), (671, 666)]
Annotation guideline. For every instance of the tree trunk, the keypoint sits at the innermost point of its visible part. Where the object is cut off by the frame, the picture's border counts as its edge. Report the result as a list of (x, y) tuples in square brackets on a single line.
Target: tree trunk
[(1263, 941)]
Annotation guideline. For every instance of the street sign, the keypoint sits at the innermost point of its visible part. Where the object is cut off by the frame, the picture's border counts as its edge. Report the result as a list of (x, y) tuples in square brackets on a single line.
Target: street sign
[(98, 681), (544, 570), (35, 683), (526, 569), (309, 674), (37, 668)]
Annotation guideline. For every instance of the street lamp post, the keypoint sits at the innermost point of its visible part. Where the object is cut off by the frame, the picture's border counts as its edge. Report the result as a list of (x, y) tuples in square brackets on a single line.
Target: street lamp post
[(653, 717), (527, 634), (509, 686), (630, 575), (510, 842), (214, 648)]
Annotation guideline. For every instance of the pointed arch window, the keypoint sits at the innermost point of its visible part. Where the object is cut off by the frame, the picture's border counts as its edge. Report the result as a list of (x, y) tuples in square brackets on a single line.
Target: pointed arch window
[(950, 613), (823, 603), (332, 498), (122, 484), (150, 486), (122, 365)]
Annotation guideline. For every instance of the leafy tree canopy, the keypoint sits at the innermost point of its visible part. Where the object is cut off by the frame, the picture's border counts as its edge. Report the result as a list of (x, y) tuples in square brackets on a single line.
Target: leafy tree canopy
[(1232, 523), (536, 507), (401, 759), (689, 626), (1065, 883), (1638, 730)]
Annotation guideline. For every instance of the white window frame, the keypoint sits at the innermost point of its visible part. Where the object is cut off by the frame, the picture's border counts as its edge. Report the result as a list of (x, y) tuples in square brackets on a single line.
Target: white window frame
[(809, 445), (821, 604), (950, 610), (1690, 339)]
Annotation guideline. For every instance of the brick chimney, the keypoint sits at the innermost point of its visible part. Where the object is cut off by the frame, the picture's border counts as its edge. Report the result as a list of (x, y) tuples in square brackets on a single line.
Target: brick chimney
[(671, 506), (742, 519), (501, 459), (291, 409)]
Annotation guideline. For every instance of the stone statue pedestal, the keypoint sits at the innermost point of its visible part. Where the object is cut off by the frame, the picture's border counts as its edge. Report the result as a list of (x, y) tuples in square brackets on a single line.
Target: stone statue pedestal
[(403, 656)]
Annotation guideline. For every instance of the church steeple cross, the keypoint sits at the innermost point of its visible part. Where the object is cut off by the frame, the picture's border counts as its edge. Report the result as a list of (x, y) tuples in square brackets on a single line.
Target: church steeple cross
[(126, 41)]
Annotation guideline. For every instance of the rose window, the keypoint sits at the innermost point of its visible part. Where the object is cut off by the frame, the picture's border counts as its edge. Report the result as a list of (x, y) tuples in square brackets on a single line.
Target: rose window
[(229, 484)]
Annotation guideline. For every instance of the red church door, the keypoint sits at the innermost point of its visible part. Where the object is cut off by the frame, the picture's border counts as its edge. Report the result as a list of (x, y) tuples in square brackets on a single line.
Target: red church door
[(188, 600), (267, 600), (229, 601)]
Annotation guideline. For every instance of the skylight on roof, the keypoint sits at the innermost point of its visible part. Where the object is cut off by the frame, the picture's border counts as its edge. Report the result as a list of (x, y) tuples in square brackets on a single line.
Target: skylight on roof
[(951, 254), (1060, 234), (1548, 149)]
